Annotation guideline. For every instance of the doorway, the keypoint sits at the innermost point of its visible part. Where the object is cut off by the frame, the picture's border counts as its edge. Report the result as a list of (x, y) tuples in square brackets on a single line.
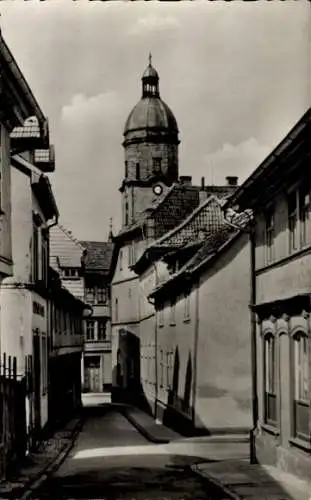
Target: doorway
[(92, 374)]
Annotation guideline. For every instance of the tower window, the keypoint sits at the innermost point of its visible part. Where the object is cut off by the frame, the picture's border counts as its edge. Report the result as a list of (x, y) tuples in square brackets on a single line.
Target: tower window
[(137, 171), (156, 163), (126, 213), (126, 169)]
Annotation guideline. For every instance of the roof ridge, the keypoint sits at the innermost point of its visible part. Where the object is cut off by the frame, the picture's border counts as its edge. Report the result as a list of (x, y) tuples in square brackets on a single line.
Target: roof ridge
[(67, 232)]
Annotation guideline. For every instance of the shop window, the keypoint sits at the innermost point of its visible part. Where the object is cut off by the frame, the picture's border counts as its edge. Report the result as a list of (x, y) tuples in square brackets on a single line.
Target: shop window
[(90, 329), (301, 385), (270, 395)]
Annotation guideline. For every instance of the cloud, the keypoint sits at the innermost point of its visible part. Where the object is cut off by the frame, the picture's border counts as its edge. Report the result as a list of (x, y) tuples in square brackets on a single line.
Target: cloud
[(153, 23), (240, 160), (82, 108)]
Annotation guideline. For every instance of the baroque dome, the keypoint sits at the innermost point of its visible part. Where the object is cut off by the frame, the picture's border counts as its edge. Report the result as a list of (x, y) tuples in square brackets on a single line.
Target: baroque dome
[(151, 112)]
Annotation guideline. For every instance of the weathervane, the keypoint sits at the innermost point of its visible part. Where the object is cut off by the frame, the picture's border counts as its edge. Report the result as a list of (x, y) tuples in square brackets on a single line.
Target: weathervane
[(150, 58)]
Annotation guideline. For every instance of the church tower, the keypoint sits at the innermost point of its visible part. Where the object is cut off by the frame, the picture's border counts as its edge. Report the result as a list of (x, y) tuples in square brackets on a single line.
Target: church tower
[(151, 149)]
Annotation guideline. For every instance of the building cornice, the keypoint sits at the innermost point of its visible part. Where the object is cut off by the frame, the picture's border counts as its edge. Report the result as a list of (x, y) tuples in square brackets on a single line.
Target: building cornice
[(17, 100)]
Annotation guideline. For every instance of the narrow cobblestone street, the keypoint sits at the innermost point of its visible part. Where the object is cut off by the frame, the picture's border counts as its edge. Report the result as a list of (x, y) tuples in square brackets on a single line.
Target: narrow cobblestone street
[(111, 460)]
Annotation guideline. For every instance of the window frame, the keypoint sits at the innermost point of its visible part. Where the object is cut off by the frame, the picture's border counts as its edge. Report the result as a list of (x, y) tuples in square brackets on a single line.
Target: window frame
[(304, 192), (269, 234), (88, 337), (88, 292), (116, 309), (161, 316), (101, 323), (35, 252), (293, 220), (270, 388), (187, 313), (101, 295), (173, 312), (300, 403)]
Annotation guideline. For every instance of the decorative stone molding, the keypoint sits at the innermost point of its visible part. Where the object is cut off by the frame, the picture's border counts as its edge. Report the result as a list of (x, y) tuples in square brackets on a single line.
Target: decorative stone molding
[(305, 314), (285, 317), (258, 319), (272, 318)]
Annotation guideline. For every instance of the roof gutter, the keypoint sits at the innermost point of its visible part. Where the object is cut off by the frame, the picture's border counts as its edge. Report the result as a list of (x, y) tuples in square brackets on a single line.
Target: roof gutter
[(270, 159), (20, 79)]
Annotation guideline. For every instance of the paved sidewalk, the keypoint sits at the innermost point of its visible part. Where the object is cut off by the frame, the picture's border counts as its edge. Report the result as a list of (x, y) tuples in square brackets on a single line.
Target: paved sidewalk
[(152, 430), (242, 481), (95, 398), (38, 465)]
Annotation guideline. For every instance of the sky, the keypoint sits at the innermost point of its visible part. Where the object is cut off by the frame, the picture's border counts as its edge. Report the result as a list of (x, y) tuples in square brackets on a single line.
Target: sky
[(235, 75)]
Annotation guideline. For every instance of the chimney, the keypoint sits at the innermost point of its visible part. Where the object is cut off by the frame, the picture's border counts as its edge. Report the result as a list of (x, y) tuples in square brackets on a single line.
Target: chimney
[(232, 180), (186, 180), (202, 192)]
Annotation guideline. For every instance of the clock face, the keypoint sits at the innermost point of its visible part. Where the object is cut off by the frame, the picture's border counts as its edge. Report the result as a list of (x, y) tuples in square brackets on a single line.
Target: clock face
[(158, 189)]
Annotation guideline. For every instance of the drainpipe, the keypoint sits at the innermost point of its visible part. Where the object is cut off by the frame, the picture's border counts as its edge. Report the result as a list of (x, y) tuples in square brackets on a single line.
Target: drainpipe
[(253, 333), (155, 348), (195, 351), (253, 347)]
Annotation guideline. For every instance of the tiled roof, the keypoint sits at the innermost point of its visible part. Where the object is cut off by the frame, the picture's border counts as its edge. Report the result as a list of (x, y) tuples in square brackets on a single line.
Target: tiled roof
[(29, 129), (208, 249), (205, 218), (65, 250), (174, 205), (211, 246), (98, 255), (143, 216)]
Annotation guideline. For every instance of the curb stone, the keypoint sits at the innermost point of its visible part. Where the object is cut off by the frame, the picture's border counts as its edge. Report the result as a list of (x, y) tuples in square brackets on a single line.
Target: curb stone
[(142, 430), (231, 496), (54, 464), (30, 485)]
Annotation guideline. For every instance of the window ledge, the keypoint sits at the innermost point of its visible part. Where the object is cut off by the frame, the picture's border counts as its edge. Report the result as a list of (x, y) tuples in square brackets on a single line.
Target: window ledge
[(270, 429), (161, 326), (186, 320), (300, 443), (172, 324), (279, 261)]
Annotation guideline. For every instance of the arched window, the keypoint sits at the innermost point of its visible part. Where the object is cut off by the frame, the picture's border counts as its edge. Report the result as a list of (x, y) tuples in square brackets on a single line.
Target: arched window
[(270, 392), (300, 364)]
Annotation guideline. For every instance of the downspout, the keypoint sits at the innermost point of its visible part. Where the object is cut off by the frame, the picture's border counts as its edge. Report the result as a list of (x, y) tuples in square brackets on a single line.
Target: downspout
[(253, 335), (253, 347), (195, 352), (155, 349)]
